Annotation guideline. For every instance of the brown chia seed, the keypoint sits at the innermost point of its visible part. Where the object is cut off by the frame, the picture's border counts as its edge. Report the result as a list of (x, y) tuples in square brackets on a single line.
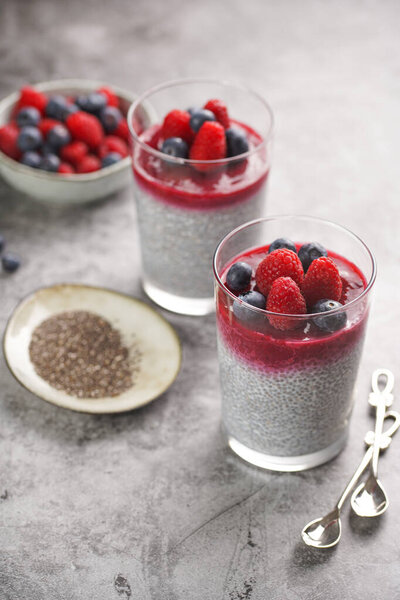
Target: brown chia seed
[(80, 353)]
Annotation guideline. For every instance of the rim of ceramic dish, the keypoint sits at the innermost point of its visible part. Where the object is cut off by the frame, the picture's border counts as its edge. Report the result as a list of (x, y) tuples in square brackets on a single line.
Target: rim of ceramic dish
[(186, 161), (54, 86), (263, 311), (28, 297)]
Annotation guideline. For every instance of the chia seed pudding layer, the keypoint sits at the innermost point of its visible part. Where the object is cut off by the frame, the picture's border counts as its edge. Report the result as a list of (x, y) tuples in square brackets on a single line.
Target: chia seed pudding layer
[(288, 412), (183, 213)]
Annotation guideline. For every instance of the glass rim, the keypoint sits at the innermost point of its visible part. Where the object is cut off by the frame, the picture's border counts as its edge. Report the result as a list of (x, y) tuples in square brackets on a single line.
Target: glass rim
[(303, 316), (187, 161)]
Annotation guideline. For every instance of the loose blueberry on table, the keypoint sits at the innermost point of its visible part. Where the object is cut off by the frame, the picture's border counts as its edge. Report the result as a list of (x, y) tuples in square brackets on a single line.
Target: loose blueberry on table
[(10, 262), (66, 135)]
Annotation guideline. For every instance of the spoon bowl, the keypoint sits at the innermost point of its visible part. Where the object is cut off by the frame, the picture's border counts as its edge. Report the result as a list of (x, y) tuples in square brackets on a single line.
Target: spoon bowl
[(369, 498), (324, 532)]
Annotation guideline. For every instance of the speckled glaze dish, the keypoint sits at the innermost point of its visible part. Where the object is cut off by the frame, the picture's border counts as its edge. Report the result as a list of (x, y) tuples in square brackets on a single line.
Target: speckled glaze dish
[(137, 323)]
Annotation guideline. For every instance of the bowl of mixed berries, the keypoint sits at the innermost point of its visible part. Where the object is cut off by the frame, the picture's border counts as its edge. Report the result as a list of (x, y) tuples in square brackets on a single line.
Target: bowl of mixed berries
[(65, 142)]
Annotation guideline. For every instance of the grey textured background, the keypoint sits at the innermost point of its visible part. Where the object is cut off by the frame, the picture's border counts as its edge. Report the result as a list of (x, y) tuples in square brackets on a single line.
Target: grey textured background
[(150, 504)]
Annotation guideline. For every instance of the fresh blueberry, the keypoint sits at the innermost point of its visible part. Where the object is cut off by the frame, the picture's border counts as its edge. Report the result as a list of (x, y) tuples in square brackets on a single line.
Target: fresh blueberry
[(110, 116), (70, 109), (282, 243), (10, 262), (200, 116), (29, 138), (31, 159), (58, 136), (175, 146), (56, 108), (236, 142), (92, 103), (110, 159), (50, 162), (2, 242), (239, 276), (309, 252), (28, 116), (328, 322), (253, 298)]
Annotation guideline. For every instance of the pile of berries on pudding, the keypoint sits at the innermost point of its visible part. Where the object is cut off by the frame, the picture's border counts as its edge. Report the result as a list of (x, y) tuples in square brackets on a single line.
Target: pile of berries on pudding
[(290, 280), (203, 134), (65, 134)]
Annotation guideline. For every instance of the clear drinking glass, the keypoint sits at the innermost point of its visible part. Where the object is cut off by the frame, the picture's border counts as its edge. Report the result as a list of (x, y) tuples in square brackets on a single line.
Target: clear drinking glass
[(287, 396), (185, 207)]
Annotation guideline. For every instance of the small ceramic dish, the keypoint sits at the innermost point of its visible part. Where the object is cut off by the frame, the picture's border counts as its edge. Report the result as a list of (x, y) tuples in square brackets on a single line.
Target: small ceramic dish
[(72, 189), (138, 324)]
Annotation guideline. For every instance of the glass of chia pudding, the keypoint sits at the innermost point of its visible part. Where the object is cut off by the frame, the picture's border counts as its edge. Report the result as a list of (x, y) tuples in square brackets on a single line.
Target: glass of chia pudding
[(201, 155), (292, 297)]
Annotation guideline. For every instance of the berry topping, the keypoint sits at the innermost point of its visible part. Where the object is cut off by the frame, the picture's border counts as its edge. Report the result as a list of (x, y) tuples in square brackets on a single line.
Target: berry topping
[(65, 169), (176, 124), (88, 164), (8, 141), (280, 263), (113, 143), (110, 117), (92, 103), (241, 311), (28, 116), (10, 262), (175, 146), (236, 142), (328, 322), (58, 136), (282, 243), (239, 276), (200, 116), (110, 159), (29, 138), (57, 108), (86, 128), (46, 124), (31, 159), (285, 297), (111, 98), (309, 252), (50, 162), (209, 144), (74, 152), (322, 280), (31, 97), (220, 111)]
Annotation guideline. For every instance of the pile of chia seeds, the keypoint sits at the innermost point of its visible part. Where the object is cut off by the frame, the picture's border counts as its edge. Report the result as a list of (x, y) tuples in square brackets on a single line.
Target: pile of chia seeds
[(80, 353)]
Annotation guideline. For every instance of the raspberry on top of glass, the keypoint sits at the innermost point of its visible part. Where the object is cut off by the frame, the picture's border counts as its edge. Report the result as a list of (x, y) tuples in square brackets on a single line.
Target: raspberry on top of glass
[(65, 134), (203, 155), (293, 301)]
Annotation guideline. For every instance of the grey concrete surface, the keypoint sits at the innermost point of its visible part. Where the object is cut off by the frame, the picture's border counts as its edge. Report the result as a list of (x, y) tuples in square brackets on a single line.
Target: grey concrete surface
[(150, 505)]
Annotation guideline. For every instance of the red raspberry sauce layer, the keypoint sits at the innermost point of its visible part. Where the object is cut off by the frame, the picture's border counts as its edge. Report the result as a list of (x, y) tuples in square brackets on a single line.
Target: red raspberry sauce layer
[(183, 186), (267, 348)]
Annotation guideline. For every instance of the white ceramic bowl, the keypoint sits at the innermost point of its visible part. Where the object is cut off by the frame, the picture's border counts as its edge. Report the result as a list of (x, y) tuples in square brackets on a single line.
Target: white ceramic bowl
[(72, 189)]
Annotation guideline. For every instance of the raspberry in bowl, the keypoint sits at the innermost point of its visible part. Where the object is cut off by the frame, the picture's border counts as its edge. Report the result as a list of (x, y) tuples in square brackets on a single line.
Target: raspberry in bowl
[(292, 297), (65, 142), (200, 168)]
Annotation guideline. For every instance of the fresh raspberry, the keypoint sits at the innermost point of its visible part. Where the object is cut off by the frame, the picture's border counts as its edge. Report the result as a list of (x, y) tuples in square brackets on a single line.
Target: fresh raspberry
[(65, 169), (209, 144), (322, 280), (112, 143), (88, 164), (85, 128), (176, 124), (112, 99), (8, 141), (31, 97), (285, 297), (122, 130), (220, 111), (279, 263), (46, 124), (74, 152)]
